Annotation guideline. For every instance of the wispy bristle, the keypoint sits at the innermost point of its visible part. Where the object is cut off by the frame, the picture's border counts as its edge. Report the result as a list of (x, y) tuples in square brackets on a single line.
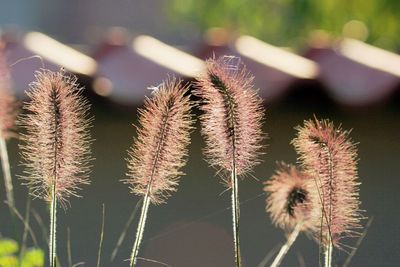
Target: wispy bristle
[(7, 101), (160, 149), (328, 155), (233, 115), (291, 200), (56, 140)]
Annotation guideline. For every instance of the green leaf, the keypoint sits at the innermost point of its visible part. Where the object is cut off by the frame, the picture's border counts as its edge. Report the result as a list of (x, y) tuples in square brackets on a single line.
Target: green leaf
[(8, 261), (8, 247), (33, 258)]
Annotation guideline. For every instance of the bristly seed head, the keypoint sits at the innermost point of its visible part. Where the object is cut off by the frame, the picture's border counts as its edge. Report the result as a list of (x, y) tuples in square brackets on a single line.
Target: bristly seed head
[(8, 106), (159, 152), (329, 156), (232, 119), (291, 200), (56, 142)]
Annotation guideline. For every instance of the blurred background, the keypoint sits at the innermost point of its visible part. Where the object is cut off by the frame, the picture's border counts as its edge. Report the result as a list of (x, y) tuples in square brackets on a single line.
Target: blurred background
[(333, 59)]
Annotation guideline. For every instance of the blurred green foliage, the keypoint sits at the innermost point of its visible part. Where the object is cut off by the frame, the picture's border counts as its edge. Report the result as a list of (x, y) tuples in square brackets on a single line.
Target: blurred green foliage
[(9, 255), (289, 22)]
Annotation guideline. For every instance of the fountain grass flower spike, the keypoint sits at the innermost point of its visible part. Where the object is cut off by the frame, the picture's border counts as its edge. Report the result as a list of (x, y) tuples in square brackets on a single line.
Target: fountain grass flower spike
[(292, 203), (8, 112), (231, 125), (56, 143), (327, 154), (160, 150)]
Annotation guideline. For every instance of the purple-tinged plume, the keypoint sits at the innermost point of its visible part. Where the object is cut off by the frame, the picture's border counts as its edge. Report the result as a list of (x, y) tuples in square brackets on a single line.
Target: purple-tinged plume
[(159, 152), (232, 119), (8, 108), (56, 141), (292, 199), (327, 154)]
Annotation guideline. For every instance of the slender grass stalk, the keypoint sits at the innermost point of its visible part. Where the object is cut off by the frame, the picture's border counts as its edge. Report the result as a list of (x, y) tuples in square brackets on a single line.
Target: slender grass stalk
[(25, 232), (328, 251), (285, 248), (101, 237), (69, 253), (359, 241), (154, 261), (328, 214), (268, 256), (28, 227), (235, 215), (160, 150), (42, 226), (5, 164), (140, 229), (125, 230), (53, 227), (300, 259), (8, 112)]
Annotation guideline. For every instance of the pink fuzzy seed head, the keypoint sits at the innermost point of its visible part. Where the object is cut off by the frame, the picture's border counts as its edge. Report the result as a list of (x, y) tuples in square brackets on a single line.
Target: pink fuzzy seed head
[(160, 150), (8, 106), (328, 155), (291, 200), (55, 145), (232, 117)]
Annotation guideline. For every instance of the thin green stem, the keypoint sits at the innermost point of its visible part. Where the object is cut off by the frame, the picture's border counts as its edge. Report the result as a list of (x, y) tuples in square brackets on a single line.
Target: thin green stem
[(268, 257), (123, 234), (53, 205), (5, 164), (235, 215), (328, 252), (25, 233), (154, 261), (53, 224), (140, 229), (101, 238), (359, 241), (285, 248), (329, 245), (69, 254), (39, 221), (21, 218)]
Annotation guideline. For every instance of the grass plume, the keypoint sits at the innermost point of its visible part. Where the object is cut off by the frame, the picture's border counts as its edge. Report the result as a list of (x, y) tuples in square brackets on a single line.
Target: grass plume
[(8, 112), (231, 125), (328, 155), (159, 152), (290, 198), (292, 204), (56, 143)]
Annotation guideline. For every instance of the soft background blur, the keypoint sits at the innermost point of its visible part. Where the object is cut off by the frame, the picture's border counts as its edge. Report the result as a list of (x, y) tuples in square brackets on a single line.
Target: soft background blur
[(347, 70)]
